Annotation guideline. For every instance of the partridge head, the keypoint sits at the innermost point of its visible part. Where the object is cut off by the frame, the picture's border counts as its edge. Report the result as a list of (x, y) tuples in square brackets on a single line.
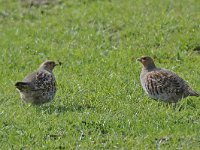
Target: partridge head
[(147, 62), (48, 65)]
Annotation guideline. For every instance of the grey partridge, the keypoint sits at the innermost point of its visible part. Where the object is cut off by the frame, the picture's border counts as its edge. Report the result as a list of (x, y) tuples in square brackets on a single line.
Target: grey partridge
[(162, 84), (40, 86)]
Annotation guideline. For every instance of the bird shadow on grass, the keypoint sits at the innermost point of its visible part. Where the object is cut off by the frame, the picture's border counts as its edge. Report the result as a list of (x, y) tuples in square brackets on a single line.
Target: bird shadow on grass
[(186, 104), (60, 109), (179, 106)]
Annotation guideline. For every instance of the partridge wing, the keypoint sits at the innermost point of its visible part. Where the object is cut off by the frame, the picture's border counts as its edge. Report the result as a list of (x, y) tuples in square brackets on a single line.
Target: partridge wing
[(40, 80), (44, 80), (164, 81)]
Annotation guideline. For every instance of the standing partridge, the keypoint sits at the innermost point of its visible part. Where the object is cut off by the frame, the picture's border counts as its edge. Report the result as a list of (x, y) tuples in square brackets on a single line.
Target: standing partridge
[(162, 84), (40, 86)]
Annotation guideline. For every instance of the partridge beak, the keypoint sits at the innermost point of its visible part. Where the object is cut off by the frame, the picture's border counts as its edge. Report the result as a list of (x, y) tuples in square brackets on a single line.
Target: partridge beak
[(58, 64), (134, 59), (139, 59)]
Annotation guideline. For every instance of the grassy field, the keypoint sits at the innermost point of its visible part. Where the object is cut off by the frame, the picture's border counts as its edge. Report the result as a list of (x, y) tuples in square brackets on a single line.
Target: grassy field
[(100, 103)]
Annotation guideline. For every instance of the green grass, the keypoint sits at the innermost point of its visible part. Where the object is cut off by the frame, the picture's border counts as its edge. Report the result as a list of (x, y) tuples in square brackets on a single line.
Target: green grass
[(99, 103)]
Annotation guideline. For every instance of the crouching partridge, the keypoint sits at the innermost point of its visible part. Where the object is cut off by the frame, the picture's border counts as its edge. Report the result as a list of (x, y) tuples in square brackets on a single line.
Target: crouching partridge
[(40, 86), (162, 84)]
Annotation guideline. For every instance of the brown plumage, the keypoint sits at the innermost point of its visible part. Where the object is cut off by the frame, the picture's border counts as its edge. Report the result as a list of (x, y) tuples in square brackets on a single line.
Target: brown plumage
[(162, 84), (40, 86)]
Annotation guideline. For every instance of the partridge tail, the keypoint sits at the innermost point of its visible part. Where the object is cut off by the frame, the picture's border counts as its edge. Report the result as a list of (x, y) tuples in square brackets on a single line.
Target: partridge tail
[(23, 86), (194, 93)]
